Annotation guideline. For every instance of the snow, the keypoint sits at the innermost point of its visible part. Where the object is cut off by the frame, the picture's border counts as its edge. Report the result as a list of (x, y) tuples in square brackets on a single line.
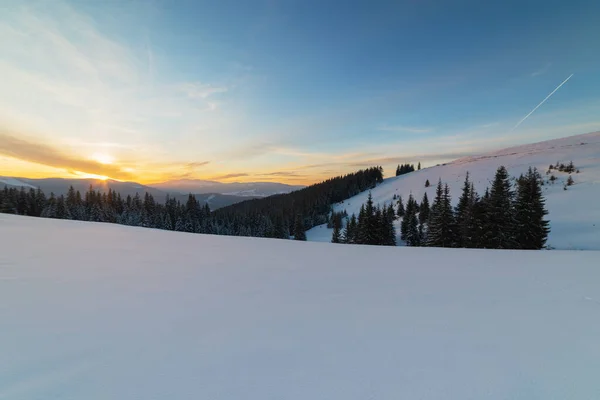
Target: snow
[(574, 214), (100, 311)]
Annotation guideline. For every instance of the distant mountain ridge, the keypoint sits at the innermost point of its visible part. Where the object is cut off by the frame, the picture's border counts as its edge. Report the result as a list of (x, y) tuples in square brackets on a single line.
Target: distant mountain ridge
[(243, 189)]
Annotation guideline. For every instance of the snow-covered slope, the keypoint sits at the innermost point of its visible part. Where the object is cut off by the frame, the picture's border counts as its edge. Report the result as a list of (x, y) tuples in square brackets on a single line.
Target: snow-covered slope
[(574, 214), (99, 311)]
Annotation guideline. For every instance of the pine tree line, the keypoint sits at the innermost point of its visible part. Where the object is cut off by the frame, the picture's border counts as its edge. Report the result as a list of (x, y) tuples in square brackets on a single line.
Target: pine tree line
[(110, 207), (312, 204), (405, 169), (374, 226), (502, 219)]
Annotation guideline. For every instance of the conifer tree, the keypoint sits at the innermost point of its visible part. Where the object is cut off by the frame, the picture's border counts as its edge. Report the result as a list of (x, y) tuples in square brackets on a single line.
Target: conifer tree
[(464, 214), (336, 236), (361, 226), (380, 227), (532, 228), (412, 236), (441, 220), (180, 224), (477, 237), (401, 211), (167, 223), (419, 166), (50, 209), (369, 229), (424, 209), (412, 208), (299, 231), (350, 233), (189, 223), (500, 219), (62, 211), (389, 226), (470, 227)]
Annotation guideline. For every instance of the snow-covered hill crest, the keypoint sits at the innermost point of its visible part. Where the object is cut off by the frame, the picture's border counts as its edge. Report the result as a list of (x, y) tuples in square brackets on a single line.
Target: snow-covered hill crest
[(574, 213)]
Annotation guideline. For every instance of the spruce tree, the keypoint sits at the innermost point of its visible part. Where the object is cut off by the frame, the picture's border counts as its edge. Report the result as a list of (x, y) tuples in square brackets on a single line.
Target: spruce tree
[(477, 238), (62, 211), (412, 236), (370, 222), (441, 220), (380, 227), (464, 213), (299, 231), (401, 211), (419, 166), (470, 225), (336, 237), (424, 209), (531, 227), (350, 234), (500, 222), (189, 223), (180, 224), (361, 226), (390, 229)]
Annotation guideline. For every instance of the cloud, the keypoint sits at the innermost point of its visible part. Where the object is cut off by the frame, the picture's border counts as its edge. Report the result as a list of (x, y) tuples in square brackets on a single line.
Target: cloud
[(197, 90), (409, 129), (196, 164), (38, 153), (486, 126), (106, 145), (229, 176), (541, 71), (281, 173)]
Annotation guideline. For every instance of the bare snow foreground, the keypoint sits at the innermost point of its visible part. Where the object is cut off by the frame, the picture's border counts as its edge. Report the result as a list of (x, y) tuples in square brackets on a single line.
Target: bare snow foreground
[(98, 311)]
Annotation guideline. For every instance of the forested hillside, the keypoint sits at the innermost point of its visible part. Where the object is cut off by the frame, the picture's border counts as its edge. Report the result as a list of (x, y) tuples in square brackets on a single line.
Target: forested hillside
[(276, 216)]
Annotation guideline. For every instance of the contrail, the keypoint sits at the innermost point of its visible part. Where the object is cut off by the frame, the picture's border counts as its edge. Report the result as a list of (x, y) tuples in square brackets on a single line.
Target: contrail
[(543, 101)]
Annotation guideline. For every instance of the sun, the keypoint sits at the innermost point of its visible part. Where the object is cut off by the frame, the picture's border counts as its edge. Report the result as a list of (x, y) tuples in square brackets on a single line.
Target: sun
[(103, 158)]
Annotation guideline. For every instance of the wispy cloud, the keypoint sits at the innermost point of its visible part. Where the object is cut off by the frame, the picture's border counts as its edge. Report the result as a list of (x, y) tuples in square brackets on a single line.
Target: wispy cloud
[(541, 71), (281, 173), (229, 176), (200, 90), (408, 129), (486, 126), (196, 164)]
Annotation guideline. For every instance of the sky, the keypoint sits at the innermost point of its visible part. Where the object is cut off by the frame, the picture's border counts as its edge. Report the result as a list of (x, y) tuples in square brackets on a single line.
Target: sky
[(287, 91)]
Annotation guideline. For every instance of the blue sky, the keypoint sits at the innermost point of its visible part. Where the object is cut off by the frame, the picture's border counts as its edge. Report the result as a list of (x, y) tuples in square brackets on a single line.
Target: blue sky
[(293, 91)]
